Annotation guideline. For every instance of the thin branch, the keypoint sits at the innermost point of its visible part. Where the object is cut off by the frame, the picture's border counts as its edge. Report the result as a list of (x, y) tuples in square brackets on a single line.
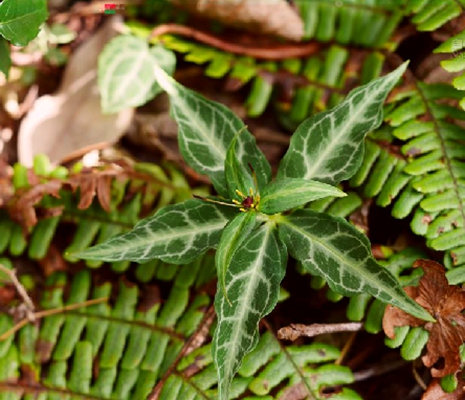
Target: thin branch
[(21, 291), (346, 348), (418, 378), (47, 313), (195, 341), (379, 369), (294, 331), (275, 52)]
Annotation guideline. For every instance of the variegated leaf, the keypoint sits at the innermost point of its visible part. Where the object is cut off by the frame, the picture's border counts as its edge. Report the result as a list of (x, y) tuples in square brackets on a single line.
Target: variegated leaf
[(328, 147), (235, 232), (206, 128), (175, 234), (252, 287), (125, 72), (286, 194), (332, 248)]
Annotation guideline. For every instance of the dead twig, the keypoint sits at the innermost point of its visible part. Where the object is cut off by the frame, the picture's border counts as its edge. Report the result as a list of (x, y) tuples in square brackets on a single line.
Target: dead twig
[(47, 313), (418, 378), (346, 348), (305, 390), (195, 341), (276, 52), (294, 331), (378, 370), (30, 316)]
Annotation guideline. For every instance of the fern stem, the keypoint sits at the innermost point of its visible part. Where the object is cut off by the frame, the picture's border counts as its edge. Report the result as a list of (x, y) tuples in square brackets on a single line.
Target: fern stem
[(47, 313), (195, 341), (346, 348), (21, 291), (447, 159)]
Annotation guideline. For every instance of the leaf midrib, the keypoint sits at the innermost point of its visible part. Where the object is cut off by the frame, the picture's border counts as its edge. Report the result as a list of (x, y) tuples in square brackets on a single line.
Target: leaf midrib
[(169, 85), (245, 299), (151, 240), (336, 254), (186, 231), (134, 72), (323, 154), (3, 23), (302, 189)]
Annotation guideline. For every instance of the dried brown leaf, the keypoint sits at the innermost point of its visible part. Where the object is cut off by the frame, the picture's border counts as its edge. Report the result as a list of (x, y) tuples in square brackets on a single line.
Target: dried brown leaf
[(87, 184), (93, 182), (21, 208), (276, 17), (71, 118), (394, 316), (53, 261), (445, 303), (104, 192), (435, 392), (7, 294)]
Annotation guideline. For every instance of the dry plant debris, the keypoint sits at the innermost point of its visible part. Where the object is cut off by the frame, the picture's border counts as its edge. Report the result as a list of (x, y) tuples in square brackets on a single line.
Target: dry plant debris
[(71, 119), (435, 391), (445, 303), (294, 331), (92, 182), (277, 18)]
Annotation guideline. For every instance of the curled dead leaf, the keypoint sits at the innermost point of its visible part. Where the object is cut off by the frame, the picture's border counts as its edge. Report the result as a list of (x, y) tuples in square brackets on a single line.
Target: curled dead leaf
[(445, 303), (21, 208), (93, 182)]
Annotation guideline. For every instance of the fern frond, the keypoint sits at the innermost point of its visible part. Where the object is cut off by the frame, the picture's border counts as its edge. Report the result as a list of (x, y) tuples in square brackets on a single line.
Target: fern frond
[(431, 15), (317, 82), (123, 348), (424, 176), (456, 64), (311, 84), (363, 23), (134, 193)]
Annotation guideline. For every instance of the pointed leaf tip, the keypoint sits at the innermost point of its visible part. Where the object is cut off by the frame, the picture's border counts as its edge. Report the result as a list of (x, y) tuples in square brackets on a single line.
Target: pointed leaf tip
[(329, 146), (206, 129), (332, 248), (286, 194)]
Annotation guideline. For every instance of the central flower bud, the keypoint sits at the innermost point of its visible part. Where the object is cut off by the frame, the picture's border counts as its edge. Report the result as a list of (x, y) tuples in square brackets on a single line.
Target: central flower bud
[(247, 202)]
